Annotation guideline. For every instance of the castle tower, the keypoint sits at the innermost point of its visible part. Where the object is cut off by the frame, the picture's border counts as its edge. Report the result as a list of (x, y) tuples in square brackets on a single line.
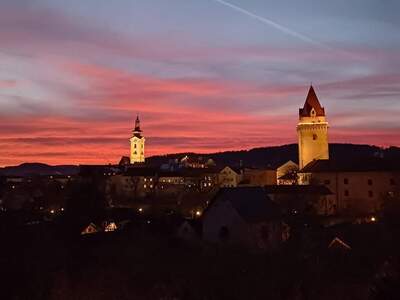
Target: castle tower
[(137, 144), (312, 131)]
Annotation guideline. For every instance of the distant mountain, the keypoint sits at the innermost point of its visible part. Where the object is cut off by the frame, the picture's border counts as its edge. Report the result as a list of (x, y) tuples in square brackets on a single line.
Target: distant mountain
[(277, 155), (29, 169)]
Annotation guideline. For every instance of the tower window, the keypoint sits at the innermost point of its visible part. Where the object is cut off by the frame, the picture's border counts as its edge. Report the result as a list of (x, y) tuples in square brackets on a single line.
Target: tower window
[(134, 146), (312, 113), (346, 193), (370, 194), (346, 181), (314, 136), (369, 181)]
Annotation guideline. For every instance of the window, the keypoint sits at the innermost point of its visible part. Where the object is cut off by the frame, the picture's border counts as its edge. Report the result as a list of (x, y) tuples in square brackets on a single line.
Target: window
[(314, 137), (346, 181), (392, 181), (369, 181), (370, 194), (134, 146), (346, 193), (327, 181)]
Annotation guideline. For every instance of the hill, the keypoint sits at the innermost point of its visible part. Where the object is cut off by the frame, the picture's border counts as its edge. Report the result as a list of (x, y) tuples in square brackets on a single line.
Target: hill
[(277, 155), (28, 169)]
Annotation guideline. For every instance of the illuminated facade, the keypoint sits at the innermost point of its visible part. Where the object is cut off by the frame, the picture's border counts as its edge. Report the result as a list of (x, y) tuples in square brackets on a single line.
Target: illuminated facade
[(312, 131), (137, 144)]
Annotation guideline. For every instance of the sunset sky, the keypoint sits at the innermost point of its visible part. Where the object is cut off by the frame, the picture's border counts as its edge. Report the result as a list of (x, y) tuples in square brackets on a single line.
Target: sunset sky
[(204, 75)]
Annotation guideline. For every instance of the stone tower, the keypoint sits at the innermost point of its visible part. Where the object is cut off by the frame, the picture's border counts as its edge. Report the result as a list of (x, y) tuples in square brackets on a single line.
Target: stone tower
[(137, 144), (312, 131)]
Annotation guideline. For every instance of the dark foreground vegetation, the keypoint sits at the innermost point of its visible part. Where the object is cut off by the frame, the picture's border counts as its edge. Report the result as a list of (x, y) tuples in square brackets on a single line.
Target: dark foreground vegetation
[(145, 261)]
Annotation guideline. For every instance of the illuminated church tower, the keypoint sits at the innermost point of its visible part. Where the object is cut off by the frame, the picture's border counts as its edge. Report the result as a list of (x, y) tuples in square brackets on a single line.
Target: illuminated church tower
[(312, 131), (137, 144)]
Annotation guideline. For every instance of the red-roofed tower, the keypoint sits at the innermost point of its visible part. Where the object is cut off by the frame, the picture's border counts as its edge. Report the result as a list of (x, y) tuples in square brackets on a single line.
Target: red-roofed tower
[(312, 131)]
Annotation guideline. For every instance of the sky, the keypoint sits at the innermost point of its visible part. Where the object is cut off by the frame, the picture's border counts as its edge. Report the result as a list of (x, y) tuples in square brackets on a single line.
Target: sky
[(204, 75)]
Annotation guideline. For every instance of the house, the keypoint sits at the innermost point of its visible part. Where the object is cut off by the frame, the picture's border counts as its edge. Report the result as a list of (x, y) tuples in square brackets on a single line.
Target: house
[(244, 217), (301, 199), (259, 177), (230, 177), (189, 230), (90, 229), (134, 182), (358, 187), (287, 173)]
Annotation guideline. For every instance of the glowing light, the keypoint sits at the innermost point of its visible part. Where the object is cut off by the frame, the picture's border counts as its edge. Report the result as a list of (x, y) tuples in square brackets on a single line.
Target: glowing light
[(140, 209), (110, 227), (373, 219), (198, 213), (52, 211)]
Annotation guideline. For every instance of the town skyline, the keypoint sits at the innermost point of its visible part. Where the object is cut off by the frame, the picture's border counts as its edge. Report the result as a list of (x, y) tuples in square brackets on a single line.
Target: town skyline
[(72, 83)]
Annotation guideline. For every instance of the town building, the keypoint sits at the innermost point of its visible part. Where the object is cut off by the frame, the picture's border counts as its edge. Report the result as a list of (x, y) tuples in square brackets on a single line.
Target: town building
[(286, 174), (358, 187), (243, 217), (230, 177), (301, 199), (258, 177), (312, 131), (137, 144)]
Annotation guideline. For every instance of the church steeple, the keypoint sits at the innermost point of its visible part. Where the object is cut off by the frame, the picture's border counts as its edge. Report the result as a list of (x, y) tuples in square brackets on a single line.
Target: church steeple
[(137, 123), (312, 107), (137, 143), (137, 131)]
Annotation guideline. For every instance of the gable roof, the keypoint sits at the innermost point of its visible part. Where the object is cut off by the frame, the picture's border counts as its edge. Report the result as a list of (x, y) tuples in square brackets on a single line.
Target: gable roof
[(251, 203), (298, 189), (361, 165), (312, 102)]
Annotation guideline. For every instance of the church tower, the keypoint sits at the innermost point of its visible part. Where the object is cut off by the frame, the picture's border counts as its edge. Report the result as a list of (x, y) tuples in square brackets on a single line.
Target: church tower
[(312, 131), (137, 144)]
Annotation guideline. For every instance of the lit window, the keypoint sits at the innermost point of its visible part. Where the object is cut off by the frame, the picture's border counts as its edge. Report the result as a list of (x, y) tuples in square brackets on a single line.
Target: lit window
[(314, 137), (145, 186)]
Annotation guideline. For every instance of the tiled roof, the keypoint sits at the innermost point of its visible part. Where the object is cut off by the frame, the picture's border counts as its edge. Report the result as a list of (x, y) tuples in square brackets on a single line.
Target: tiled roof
[(251, 203), (312, 102), (298, 189), (362, 165)]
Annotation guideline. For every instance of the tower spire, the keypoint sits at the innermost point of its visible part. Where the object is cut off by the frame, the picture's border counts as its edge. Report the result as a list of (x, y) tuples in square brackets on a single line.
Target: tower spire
[(137, 143), (137, 123), (311, 103)]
